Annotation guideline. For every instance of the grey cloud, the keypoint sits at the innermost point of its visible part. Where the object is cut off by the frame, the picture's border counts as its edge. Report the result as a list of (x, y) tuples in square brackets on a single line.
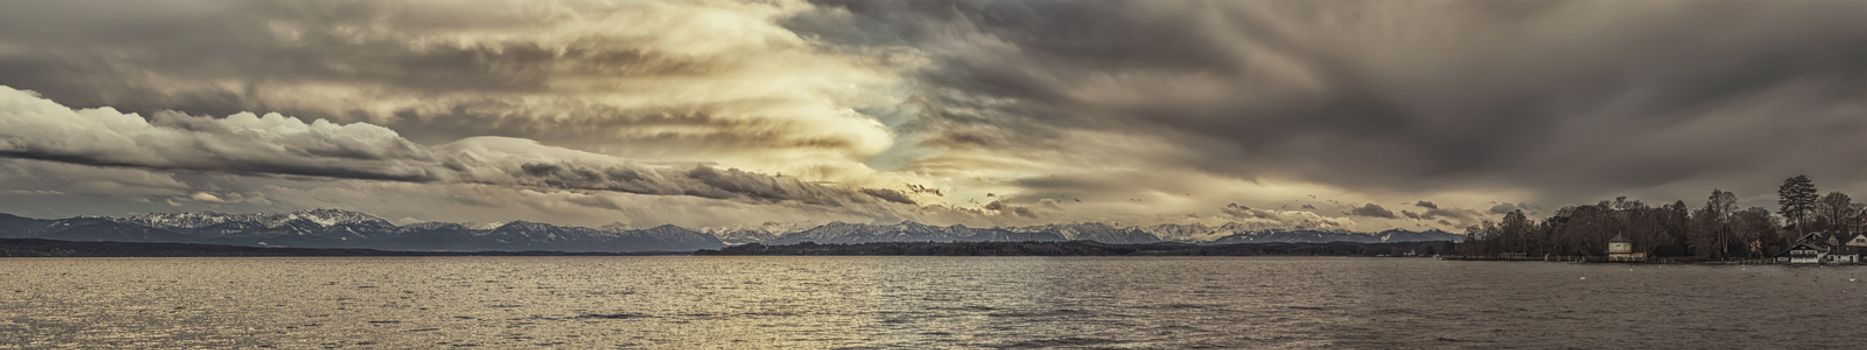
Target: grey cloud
[(40, 129), (698, 180), (1373, 210), (1507, 207), (1238, 211), (1426, 204), (1564, 101), (1021, 211), (1458, 215)]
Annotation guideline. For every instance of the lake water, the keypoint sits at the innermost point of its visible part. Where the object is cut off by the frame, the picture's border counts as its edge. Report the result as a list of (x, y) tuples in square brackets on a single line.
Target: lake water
[(917, 302)]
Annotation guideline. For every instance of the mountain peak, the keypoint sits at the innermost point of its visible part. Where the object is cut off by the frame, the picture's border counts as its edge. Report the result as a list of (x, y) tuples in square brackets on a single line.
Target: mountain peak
[(668, 227), (333, 217), (349, 229), (199, 219), (524, 225)]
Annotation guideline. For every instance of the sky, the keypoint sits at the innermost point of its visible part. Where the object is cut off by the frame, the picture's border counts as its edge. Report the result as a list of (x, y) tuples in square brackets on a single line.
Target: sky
[(1354, 115)]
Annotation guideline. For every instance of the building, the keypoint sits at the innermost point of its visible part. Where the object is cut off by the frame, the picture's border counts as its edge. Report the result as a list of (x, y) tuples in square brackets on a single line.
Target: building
[(1859, 241), (1848, 252), (1806, 253), (1621, 249), (1824, 248)]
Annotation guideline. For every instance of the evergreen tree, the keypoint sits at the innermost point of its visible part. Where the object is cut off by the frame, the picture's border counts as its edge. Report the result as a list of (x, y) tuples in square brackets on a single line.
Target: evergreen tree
[(1677, 218), (1797, 197)]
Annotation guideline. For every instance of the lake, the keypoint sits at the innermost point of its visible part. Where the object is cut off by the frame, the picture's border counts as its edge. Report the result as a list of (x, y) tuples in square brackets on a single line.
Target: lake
[(917, 302)]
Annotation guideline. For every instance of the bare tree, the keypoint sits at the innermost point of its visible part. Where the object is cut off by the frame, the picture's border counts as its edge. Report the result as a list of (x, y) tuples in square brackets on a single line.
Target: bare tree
[(1838, 213)]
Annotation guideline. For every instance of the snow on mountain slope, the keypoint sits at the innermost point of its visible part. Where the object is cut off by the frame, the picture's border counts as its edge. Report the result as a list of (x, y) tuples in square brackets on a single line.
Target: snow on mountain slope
[(193, 220)]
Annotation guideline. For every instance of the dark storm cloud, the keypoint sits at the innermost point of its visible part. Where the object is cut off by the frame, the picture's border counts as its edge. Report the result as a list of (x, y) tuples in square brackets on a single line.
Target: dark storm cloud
[(1373, 210), (1560, 99)]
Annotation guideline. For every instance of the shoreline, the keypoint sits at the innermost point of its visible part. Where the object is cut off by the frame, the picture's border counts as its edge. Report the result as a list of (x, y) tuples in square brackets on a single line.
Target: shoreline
[(55, 248), (1604, 260)]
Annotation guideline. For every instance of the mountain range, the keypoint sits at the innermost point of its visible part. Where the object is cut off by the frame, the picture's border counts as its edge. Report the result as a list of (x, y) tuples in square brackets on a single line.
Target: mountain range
[(332, 228), (329, 228)]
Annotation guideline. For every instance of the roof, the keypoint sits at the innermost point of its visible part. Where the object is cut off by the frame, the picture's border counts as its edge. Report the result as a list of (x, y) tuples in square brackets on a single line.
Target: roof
[(1619, 238), (1812, 237)]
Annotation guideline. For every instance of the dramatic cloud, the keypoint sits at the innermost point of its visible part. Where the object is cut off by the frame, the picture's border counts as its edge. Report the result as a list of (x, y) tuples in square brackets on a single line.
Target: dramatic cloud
[(964, 111), (1564, 100), (718, 80), (246, 144)]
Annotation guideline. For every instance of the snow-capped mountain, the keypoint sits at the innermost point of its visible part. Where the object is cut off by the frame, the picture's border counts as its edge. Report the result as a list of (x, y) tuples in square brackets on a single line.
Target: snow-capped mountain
[(1093, 231), (326, 228), (907, 231), (741, 236), (192, 220), (1194, 232), (1321, 236), (1294, 236), (736, 235), (840, 232), (669, 238)]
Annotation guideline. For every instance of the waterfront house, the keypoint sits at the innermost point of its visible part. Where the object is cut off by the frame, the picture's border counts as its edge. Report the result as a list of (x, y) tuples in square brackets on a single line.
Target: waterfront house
[(1825, 248), (1806, 253), (1622, 249), (1848, 252)]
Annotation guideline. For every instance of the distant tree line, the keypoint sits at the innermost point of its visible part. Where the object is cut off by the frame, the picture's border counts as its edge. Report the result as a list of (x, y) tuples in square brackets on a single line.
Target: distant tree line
[(1717, 230), (1092, 248)]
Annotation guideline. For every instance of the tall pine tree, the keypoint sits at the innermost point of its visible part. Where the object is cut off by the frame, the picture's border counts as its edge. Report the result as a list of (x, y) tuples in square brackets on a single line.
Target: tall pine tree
[(1797, 197)]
